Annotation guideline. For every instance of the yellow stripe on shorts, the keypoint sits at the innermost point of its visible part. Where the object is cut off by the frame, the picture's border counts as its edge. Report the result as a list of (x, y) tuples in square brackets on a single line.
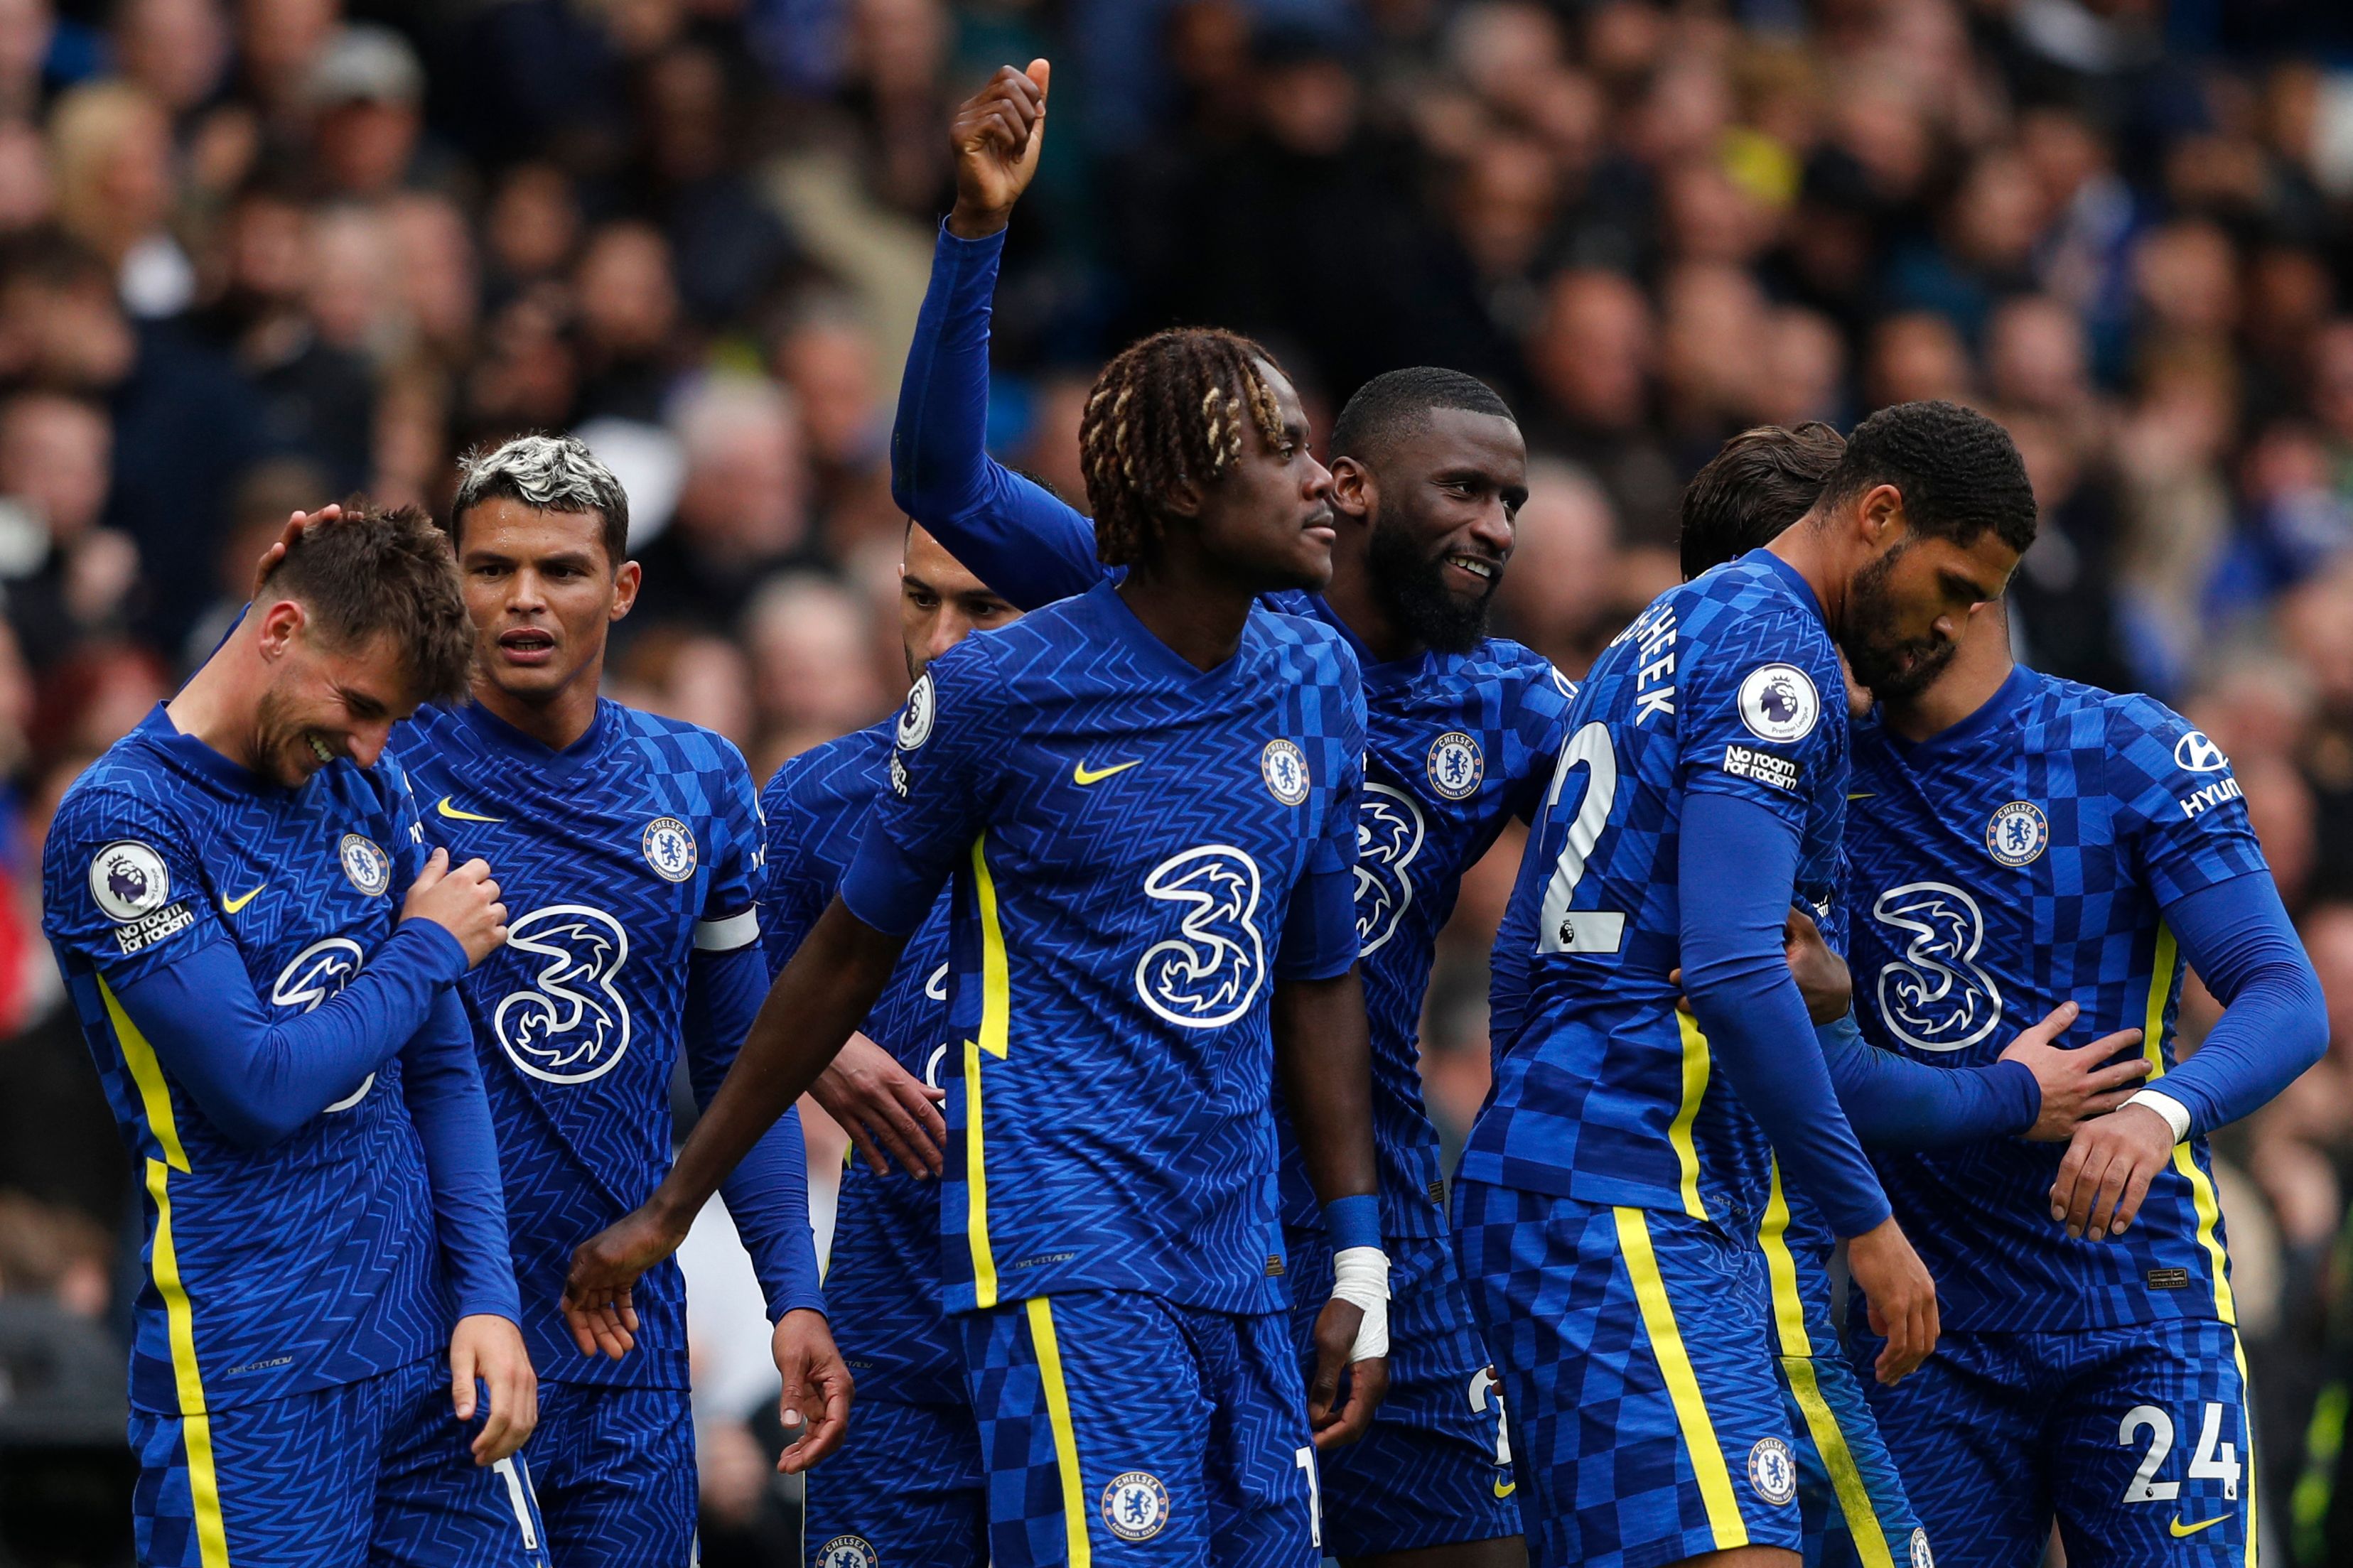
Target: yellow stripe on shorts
[(1798, 1366), (1066, 1436), (179, 1313), (1707, 1464)]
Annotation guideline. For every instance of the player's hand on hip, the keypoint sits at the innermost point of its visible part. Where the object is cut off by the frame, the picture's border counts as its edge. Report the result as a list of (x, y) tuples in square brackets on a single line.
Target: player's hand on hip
[(2107, 1169), (463, 903), (888, 1112), (1902, 1297), (597, 1306), (1822, 975), (997, 133), (488, 1349), (815, 1404), (287, 535), (2077, 1083), (1336, 1420)]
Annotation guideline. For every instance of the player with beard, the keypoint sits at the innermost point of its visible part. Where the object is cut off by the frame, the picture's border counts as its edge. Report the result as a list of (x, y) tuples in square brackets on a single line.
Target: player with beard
[(1145, 798), (1427, 470), (327, 1278), (1609, 1191), (630, 847), (2020, 838), (1850, 1495)]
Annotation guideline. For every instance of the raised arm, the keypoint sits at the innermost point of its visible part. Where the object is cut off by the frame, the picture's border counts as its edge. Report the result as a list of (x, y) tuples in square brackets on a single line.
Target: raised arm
[(1013, 532)]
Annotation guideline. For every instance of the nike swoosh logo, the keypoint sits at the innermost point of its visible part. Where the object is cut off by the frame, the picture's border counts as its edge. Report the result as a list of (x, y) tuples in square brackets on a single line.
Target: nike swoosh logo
[(2181, 1530), (230, 906), (1086, 775), (454, 815), (1866, 794), (1506, 1488)]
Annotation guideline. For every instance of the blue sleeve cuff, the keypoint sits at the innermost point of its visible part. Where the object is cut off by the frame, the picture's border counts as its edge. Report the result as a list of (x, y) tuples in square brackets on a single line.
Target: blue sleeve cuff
[(884, 887), (1353, 1221), (1319, 933)]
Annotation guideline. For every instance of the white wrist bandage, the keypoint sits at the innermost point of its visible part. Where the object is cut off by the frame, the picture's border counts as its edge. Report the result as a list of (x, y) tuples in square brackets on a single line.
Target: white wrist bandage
[(1360, 1277), (2176, 1114)]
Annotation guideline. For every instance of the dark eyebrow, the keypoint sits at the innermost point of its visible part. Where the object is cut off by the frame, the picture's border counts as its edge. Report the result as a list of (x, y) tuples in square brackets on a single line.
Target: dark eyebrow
[(1959, 586), (909, 580), (361, 704)]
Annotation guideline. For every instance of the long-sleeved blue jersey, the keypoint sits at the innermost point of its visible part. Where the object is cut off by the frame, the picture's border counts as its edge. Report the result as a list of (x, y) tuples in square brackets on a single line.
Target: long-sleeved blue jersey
[(2035, 853), (1140, 850), (303, 1230), (631, 866), (1456, 745)]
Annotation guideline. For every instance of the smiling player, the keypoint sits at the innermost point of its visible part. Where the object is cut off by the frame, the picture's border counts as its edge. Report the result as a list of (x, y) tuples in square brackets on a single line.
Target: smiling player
[(1428, 473), (285, 1055), (1145, 798)]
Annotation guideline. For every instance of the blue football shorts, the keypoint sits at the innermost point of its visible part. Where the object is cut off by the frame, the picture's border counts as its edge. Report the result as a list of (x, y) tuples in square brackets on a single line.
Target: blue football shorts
[(373, 1473), (1635, 1351)]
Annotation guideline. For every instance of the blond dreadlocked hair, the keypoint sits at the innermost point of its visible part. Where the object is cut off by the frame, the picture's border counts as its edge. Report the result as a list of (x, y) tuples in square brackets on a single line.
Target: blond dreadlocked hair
[(1168, 409)]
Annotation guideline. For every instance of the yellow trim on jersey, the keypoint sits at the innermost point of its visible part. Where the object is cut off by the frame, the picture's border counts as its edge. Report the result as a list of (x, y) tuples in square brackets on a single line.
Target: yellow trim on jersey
[(179, 1314), (1066, 1436), (1708, 1468), (975, 1186), (1679, 1131), (155, 1095), (1789, 1306), (1798, 1365), (995, 1005), (996, 1001), (2201, 1190), (2247, 1482), (195, 1422)]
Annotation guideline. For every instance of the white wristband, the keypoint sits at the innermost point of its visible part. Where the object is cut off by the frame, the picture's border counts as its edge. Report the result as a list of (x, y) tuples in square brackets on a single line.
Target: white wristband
[(1360, 1277), (2176, 1114)]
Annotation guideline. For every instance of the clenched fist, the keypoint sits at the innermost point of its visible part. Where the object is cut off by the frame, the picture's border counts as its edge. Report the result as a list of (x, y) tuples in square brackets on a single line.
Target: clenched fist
[(463, 903)]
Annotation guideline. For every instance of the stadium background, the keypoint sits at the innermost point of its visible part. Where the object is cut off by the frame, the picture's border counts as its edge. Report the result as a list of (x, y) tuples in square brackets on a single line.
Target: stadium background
[(258, 253)]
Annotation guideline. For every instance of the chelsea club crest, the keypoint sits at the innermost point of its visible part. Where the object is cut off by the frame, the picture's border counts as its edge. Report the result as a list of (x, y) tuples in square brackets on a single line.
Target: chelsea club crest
[(1284, 768), (366, 865), (669, 848), (1455, 767), (2017, 834), (1136, 1505), (1773, 1471), (847, 1551)]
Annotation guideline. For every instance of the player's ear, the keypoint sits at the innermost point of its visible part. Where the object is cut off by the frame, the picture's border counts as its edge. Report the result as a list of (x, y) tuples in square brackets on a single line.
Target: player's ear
[(276, 625), (1880, 514), (1353, 489), (1183, 499), (627, 580)]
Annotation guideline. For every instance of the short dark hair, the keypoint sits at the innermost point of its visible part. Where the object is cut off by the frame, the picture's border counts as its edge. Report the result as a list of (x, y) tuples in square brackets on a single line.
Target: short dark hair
[(548, 473), (1959, 471), (377, 572), (1399, 401), (1169, 408), (1759, 483)]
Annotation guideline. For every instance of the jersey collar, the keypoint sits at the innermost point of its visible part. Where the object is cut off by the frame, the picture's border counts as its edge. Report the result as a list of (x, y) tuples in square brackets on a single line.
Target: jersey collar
[(192, 756), (1794, 579), (2006, 699), (1113, 616), (512, 744)]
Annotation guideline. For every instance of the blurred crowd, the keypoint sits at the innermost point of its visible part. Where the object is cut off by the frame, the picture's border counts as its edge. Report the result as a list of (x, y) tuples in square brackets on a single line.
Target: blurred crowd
[(257, 254)]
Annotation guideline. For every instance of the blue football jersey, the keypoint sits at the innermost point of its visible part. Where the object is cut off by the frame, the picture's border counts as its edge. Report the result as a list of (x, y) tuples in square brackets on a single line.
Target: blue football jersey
[(617, 858), (1457, 745), (311, 1262), (883, 1277), (1603, 1091), (1126, 834), (2020, 860)]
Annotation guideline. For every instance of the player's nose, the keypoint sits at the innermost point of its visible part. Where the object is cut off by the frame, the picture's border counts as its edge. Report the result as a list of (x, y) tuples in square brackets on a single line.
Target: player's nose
[(367, 742), (1315, 482)]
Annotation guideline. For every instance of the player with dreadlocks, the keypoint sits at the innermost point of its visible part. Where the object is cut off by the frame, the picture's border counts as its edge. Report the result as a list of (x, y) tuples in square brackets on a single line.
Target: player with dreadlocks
[(1145, 797), (1429, 471)]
